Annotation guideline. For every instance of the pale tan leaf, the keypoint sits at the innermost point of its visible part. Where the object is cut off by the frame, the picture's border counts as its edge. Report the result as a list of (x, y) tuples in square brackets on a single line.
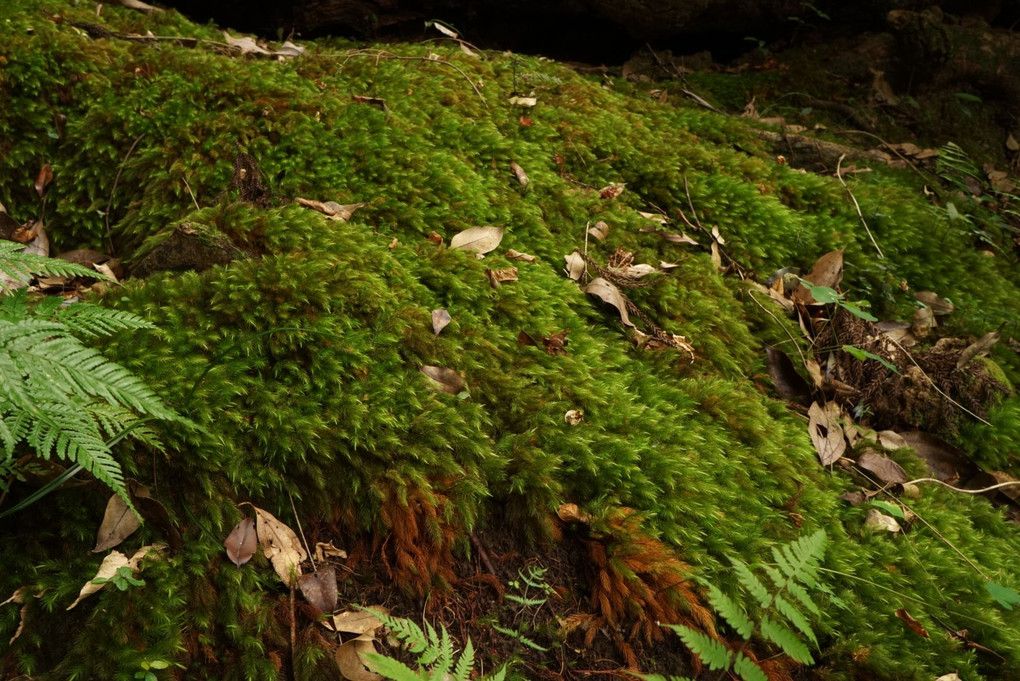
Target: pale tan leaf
[(289, 49), (600, 230), (358, 621), (826, 432), (575, 265), (331, 209), (890, 439), (884, 468), (524, 101), (517, 255), (949, 677), (242, 542), (716, 255), (443, 379), (666, 266), (119, 523), (351, 663), (608, 292), (245, 45), (111, 563), (717, 236), (519, 173), (325, 551), (877, 520), (570, 513), (980, 346), (497, 277), (280, 545), (654, 217), (442, 28), (440, 319), (1011, 143), (479, 240), (939, 305), (574, 417)]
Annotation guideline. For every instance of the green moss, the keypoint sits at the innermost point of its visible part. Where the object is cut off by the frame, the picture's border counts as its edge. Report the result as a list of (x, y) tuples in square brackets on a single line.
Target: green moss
[(302, 363)]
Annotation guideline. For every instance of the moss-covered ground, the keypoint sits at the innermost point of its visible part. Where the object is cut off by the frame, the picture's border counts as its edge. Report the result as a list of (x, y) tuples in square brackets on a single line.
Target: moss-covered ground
[(301, 360)]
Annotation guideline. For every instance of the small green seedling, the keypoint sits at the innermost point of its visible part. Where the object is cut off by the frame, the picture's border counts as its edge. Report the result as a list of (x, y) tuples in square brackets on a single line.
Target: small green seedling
[(121, 579)]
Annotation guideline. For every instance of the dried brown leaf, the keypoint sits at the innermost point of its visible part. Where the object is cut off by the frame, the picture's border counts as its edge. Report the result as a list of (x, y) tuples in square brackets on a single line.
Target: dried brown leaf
[(854, 498), (890, 439), (374, 101), (789, 384), (319, 588), (827, 271), (497, 277), (358, 621), (351, 663), (119, 523), (443, 379), (242, 542), (939, 305), (570, 513), (608, 292), (245, 45), (611, 191), (43, 179), (884, 468), (877, 520), (914, 625), (280, 545), (522, 177), (440, 319), (716, 255), (979, 347), (107, 569), (511, 254), (600, 230), (575, 265), (826, 431), (479, 240), (332, 209), (672, 237), (946, 462), (325, 551)]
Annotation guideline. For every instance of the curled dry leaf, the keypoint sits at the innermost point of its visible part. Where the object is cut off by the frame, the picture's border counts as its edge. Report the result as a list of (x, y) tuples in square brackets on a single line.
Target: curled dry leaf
[(854, 498), (319, 588), (440, 319), (634, 271), (442, 28), (949, 677), (979, 347), (717, 237), (325, 551), (350, 661), (358, 621), (654, 217), (497, 277), (119, 523), (374, 101), (524, 101), (556, 344), (108, 568), (574, 417), (519, 173), (939, 305), (600, 230), (331, 209), (19, 597), (241, 542), (611, 191), (789, 384), (884, 468), (716, 255), (479, 240), (280, 545), (608, 292), (890, 439), (877, 520), (914, 625), (827, 271), (511, 254), (443, 379), (246, 45), (575, 265), (826, 432), (570, 513), (43, 179), (289, 49)]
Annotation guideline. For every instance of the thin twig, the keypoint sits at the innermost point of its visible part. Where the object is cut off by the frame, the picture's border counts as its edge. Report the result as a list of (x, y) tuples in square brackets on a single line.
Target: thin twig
[(483, 554), (116, 179), (839, 176), (1014, 483), (191, 193), (308, 549), (690, 203), (803, 359), (888, 146), (293, 635)]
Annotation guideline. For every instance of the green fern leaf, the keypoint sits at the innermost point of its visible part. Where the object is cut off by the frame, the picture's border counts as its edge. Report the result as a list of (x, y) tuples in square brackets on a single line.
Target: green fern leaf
[(751, 582), (518, 636), (466, 663), (390, 668), (713, 653), (500, 675), (803, 597), (795, 617), (731, 612), (433, 648), (787, 641), (748, 670)]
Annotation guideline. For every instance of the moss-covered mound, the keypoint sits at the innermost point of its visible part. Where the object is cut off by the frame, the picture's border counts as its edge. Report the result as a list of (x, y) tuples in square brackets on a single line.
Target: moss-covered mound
[(300, 358)]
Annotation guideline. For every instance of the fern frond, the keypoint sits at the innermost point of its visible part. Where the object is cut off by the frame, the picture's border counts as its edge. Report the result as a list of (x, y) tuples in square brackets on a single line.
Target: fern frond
[(751, 582), (731, 612), (713, 653), (466, 663), (747, 670), (92, 320), (391, 669), (518, 636), (787, 641), (17, 264), (803, 597), (409, 634), (433, 649), (795, 617)]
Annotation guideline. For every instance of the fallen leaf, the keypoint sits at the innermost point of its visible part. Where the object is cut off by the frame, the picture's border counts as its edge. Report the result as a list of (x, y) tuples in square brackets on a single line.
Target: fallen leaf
[(119, 523), (979, 347), (890, 439), (556, 344), (435, 238), (949, 677), (43, 179), (827, 272), (939, 305), (19, 597), (332, 209), (882, 466), (877, 520), (672, 237), (497, 277), (524, 101), (717, 236), (922, 322), (654, 217), (443, 380), (440, 319), (393, 243), (611, 191), (319, 588), (107, 569), (241, 542), (574, 417), (944, 461), (517, 255), (1011, 143), (442, 28), (280, 545), (570, 513), (374, 101), (789, 384), (608, 292), (716, 255), (246, 45), (325, 550), (913, 624), (289, 49), (666, 266), (519, 173), (350, 661), (854, 498), (600, 230), (575, 265), (479, 240), (826, 432), (358, 621)]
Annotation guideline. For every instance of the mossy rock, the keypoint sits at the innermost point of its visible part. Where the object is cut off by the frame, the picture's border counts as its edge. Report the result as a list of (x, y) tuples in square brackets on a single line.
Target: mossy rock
[(300, 361)]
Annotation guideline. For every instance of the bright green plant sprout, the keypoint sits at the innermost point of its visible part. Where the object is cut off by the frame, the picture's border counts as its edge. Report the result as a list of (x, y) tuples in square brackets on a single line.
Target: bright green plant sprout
[(123, 578), (862, 355)]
